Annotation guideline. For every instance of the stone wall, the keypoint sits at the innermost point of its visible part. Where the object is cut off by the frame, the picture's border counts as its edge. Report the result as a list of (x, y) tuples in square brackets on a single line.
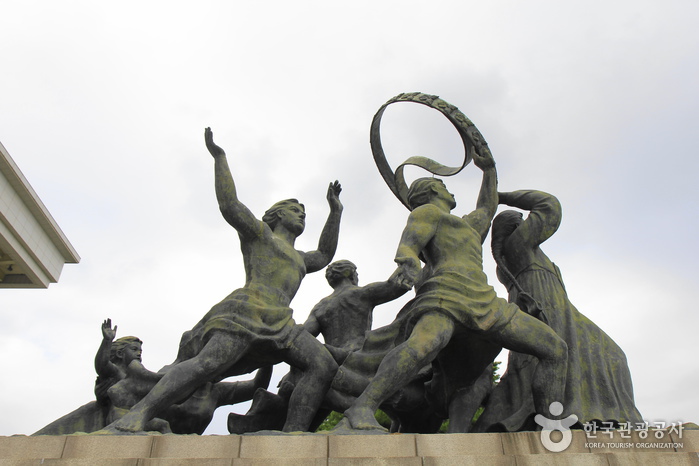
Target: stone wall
[(522, 448)]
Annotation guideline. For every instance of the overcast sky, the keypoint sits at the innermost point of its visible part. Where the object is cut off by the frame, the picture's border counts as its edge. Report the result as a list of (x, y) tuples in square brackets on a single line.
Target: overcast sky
[(104, 108)]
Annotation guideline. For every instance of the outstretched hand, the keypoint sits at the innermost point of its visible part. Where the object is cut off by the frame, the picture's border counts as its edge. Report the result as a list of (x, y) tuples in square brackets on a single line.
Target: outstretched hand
[(107, 331), (213, 148), (482, 157), (333, 196), (406, 274)]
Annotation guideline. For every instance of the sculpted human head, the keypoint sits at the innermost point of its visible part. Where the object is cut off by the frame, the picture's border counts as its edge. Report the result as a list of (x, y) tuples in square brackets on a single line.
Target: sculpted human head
[(126, 349), (339, 270), (423, 190), (506, 222), (289, 212)]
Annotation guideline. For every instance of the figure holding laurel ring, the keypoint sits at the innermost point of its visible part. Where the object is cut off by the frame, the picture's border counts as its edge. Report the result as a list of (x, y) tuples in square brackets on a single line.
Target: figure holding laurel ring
[(454, 305)]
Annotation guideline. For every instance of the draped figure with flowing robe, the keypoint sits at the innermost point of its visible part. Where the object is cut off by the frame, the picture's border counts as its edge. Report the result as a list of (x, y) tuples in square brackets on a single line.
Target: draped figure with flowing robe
[(598, 382)]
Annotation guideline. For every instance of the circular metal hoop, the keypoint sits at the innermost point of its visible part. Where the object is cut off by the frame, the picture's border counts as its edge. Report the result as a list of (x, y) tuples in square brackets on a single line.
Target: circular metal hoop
[(470, 136)]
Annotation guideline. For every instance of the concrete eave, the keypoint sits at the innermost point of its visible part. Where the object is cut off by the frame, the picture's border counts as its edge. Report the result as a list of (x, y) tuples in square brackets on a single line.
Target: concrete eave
[(29, 235)]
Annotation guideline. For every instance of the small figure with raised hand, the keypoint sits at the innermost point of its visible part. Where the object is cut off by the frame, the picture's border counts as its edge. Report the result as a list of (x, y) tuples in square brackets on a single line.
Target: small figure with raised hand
[(113, 359), (115, 362)]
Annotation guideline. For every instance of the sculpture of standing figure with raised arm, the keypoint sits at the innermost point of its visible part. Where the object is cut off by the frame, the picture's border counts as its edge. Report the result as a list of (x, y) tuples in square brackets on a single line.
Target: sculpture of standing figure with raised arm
[(253, 326), (455, 304)]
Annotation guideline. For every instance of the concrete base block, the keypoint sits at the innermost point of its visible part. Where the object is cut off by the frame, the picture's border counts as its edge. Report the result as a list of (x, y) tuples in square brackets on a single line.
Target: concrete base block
[(401, 461), (22, 447), (664, 458), (471, 460), (369, 446), (284, 446), (185, 461), (521, 448), (108, 446), (689, 440), (280, 461), (196, 446), (529, 443), (459, 445)]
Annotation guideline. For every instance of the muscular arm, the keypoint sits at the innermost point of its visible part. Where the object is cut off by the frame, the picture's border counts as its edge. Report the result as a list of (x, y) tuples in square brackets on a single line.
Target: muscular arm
[(487, 203), (327, 245), (421, 227), (544, 214), (234, 211), (235, 392), (138, 371), (312, 325), (381, 292), (103, 366)]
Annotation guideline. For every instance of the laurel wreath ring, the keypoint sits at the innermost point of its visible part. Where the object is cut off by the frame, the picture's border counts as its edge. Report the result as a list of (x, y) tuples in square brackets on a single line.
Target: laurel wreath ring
[(395, 180)]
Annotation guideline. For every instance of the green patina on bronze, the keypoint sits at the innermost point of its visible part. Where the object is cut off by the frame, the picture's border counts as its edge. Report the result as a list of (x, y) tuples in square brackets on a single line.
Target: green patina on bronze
[(432, 363), (598, 381), (253, 326), (471, 137), (122, 381), (454, 304), (343, 318)]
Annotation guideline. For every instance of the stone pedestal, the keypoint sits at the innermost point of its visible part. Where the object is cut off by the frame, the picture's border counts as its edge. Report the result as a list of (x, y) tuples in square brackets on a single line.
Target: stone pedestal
[(523, 448)]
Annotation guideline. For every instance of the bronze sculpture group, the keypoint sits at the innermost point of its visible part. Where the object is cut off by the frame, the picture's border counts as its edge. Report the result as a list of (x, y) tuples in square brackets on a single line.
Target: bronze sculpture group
[(432, 363)]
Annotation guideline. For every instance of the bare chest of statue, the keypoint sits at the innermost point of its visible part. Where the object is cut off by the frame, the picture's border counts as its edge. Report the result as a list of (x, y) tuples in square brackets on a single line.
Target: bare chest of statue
[(455, 243), (273, 262)]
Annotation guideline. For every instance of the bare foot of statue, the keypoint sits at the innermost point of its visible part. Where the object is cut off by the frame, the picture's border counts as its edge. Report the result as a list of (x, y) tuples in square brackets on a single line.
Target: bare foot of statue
[(111, 429), (362, 418), (130, 423)]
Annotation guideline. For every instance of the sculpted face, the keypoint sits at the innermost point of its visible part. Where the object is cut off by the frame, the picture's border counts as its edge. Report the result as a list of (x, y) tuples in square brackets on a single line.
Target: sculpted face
[(354, 279), (293, 218), (442, 192), (130, 352)]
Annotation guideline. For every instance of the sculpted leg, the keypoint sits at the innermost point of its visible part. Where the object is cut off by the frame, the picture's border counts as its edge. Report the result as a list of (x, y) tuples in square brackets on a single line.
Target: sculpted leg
[(319, 367), (466, 401), (181, 380), (526, 334), (431, 333)]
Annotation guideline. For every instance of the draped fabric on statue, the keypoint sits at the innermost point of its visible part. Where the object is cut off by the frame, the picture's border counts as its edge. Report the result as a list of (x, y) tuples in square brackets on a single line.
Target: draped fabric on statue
[(251, 314), (598, 383)]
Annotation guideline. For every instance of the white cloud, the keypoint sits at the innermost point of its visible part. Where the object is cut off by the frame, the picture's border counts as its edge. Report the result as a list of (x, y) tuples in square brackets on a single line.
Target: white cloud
[(104, 110)]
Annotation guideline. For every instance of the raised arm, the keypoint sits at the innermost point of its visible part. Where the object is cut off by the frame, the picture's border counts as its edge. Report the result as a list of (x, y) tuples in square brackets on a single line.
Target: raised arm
[(382, 292), (487, 203), (103, 366), (327, 245), (234, 211), (421, 227), (544, 214)]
